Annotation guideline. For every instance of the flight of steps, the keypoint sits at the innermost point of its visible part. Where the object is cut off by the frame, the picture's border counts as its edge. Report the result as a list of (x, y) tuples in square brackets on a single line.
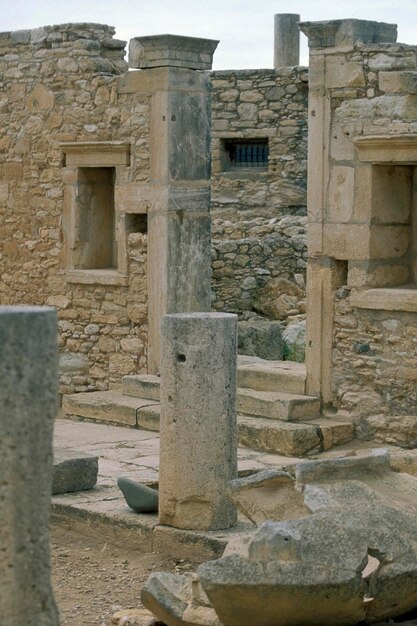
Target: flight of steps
[(274, 413)]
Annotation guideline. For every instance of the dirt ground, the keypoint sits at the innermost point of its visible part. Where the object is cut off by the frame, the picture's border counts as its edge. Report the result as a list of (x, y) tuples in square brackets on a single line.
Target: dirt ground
[(92, 580)]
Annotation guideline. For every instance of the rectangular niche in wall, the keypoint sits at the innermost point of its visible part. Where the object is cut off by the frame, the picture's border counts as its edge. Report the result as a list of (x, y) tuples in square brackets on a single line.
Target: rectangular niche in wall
[(96, 219), (93, 240), (392, 207)]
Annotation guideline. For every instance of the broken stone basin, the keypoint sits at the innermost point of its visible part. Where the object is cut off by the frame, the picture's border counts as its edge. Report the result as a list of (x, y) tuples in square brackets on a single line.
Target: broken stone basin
[(352, 559)]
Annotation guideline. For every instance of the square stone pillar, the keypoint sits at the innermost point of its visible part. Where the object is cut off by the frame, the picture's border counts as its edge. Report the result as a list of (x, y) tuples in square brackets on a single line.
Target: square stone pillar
[(179, 237)]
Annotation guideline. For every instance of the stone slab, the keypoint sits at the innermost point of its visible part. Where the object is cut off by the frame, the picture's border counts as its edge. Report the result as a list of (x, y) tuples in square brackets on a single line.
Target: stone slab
[(262, 375), (278, 437), (106, 406), (145, 386), (277, 405), (73, 471)]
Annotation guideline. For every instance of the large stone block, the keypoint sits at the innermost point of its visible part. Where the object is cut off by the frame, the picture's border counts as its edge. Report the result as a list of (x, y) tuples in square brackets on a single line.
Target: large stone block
[(171, 50)]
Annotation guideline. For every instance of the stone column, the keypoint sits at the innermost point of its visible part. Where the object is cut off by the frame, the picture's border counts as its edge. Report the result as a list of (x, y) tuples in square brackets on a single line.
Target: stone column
[(286, 40), (198, 420), (179, 241), (28, 404)]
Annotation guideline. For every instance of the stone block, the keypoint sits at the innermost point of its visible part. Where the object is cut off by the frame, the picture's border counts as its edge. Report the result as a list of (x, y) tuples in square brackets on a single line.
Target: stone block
[(398, 82), (73, 471), (171, 50), (342, 73), (260, 337)]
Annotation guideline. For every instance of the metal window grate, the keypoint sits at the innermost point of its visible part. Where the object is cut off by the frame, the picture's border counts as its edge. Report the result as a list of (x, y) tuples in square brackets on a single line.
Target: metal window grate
[(247, 154)]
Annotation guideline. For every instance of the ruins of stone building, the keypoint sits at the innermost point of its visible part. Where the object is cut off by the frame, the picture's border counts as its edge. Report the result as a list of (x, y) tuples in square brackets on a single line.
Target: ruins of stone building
[(361, 297), (79, 132), (79, 158)]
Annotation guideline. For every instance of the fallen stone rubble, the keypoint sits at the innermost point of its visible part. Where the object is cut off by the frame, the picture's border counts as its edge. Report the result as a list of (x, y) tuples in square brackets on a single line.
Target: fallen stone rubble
[(350, 557)]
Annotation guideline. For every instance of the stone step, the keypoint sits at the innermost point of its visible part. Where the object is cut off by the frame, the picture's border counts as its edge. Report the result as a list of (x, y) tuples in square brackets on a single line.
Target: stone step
[(114, 407), (293, 439), (262, 375), (286, 438), (145, 386), (262, 434), (277, 405)]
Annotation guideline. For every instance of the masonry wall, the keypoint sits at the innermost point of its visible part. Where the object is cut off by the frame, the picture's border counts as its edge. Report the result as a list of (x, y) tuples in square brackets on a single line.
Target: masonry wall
[(362, 305), (58, 85), (260, 104), (259, 265), (72, 125)]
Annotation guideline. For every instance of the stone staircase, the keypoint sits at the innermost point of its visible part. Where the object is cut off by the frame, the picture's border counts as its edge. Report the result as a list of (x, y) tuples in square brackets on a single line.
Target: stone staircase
[(274, 413)]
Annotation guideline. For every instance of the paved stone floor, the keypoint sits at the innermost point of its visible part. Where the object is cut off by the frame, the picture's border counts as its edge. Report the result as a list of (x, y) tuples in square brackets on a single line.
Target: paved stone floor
[(135, 454)]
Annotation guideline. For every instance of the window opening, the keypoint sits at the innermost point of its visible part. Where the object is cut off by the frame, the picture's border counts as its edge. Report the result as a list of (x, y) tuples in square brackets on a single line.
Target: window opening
[(246, 154)]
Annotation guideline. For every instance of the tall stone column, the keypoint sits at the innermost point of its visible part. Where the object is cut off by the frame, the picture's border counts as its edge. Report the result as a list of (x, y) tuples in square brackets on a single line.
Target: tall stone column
[(286, 40), (179, 253), (198, 421), (28, 403)]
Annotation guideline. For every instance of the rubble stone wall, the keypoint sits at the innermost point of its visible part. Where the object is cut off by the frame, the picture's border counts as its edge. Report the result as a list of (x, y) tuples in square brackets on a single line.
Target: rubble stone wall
[(259, 265), (63, 85), (60, 84), (255, 104)]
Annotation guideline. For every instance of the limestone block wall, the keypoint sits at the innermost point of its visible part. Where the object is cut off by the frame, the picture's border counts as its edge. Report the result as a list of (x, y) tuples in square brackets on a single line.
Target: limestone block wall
[(259, 265), (60, 85), (261, 104), (361, 299)]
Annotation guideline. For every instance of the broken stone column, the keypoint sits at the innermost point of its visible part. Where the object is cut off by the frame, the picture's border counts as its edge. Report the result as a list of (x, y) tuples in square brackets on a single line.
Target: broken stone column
[(286, 40), (179, 239), (28, 403), (198, 454)]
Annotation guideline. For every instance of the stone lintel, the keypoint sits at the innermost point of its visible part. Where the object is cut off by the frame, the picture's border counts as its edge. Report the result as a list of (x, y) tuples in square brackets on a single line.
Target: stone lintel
[(387, 148), (96, 153), (347, 32), (387, 299), (171, 50)]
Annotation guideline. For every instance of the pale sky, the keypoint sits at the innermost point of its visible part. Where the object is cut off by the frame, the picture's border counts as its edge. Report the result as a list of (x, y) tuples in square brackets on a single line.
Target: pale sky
[(244, 27)]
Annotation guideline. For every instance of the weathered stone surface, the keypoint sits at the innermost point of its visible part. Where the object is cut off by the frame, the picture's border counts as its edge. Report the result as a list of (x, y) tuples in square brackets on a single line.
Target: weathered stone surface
[(264, 375), (277, 405), (278, 299), (178, 600), (140, 498), (260, 337), (198, 420), (73, 471), (313, 569), (142, 386), (171, 50), (279, 437), (269, 494), (286, 39), (28, 404), (135, 617), (399, 430), (294, 337)]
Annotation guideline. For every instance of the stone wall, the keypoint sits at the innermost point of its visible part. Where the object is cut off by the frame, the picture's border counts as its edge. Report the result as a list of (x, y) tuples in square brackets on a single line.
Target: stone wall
[(260, 104), (60, 85), (259, 265), (362, 297), (74, 124), (374, 359)]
